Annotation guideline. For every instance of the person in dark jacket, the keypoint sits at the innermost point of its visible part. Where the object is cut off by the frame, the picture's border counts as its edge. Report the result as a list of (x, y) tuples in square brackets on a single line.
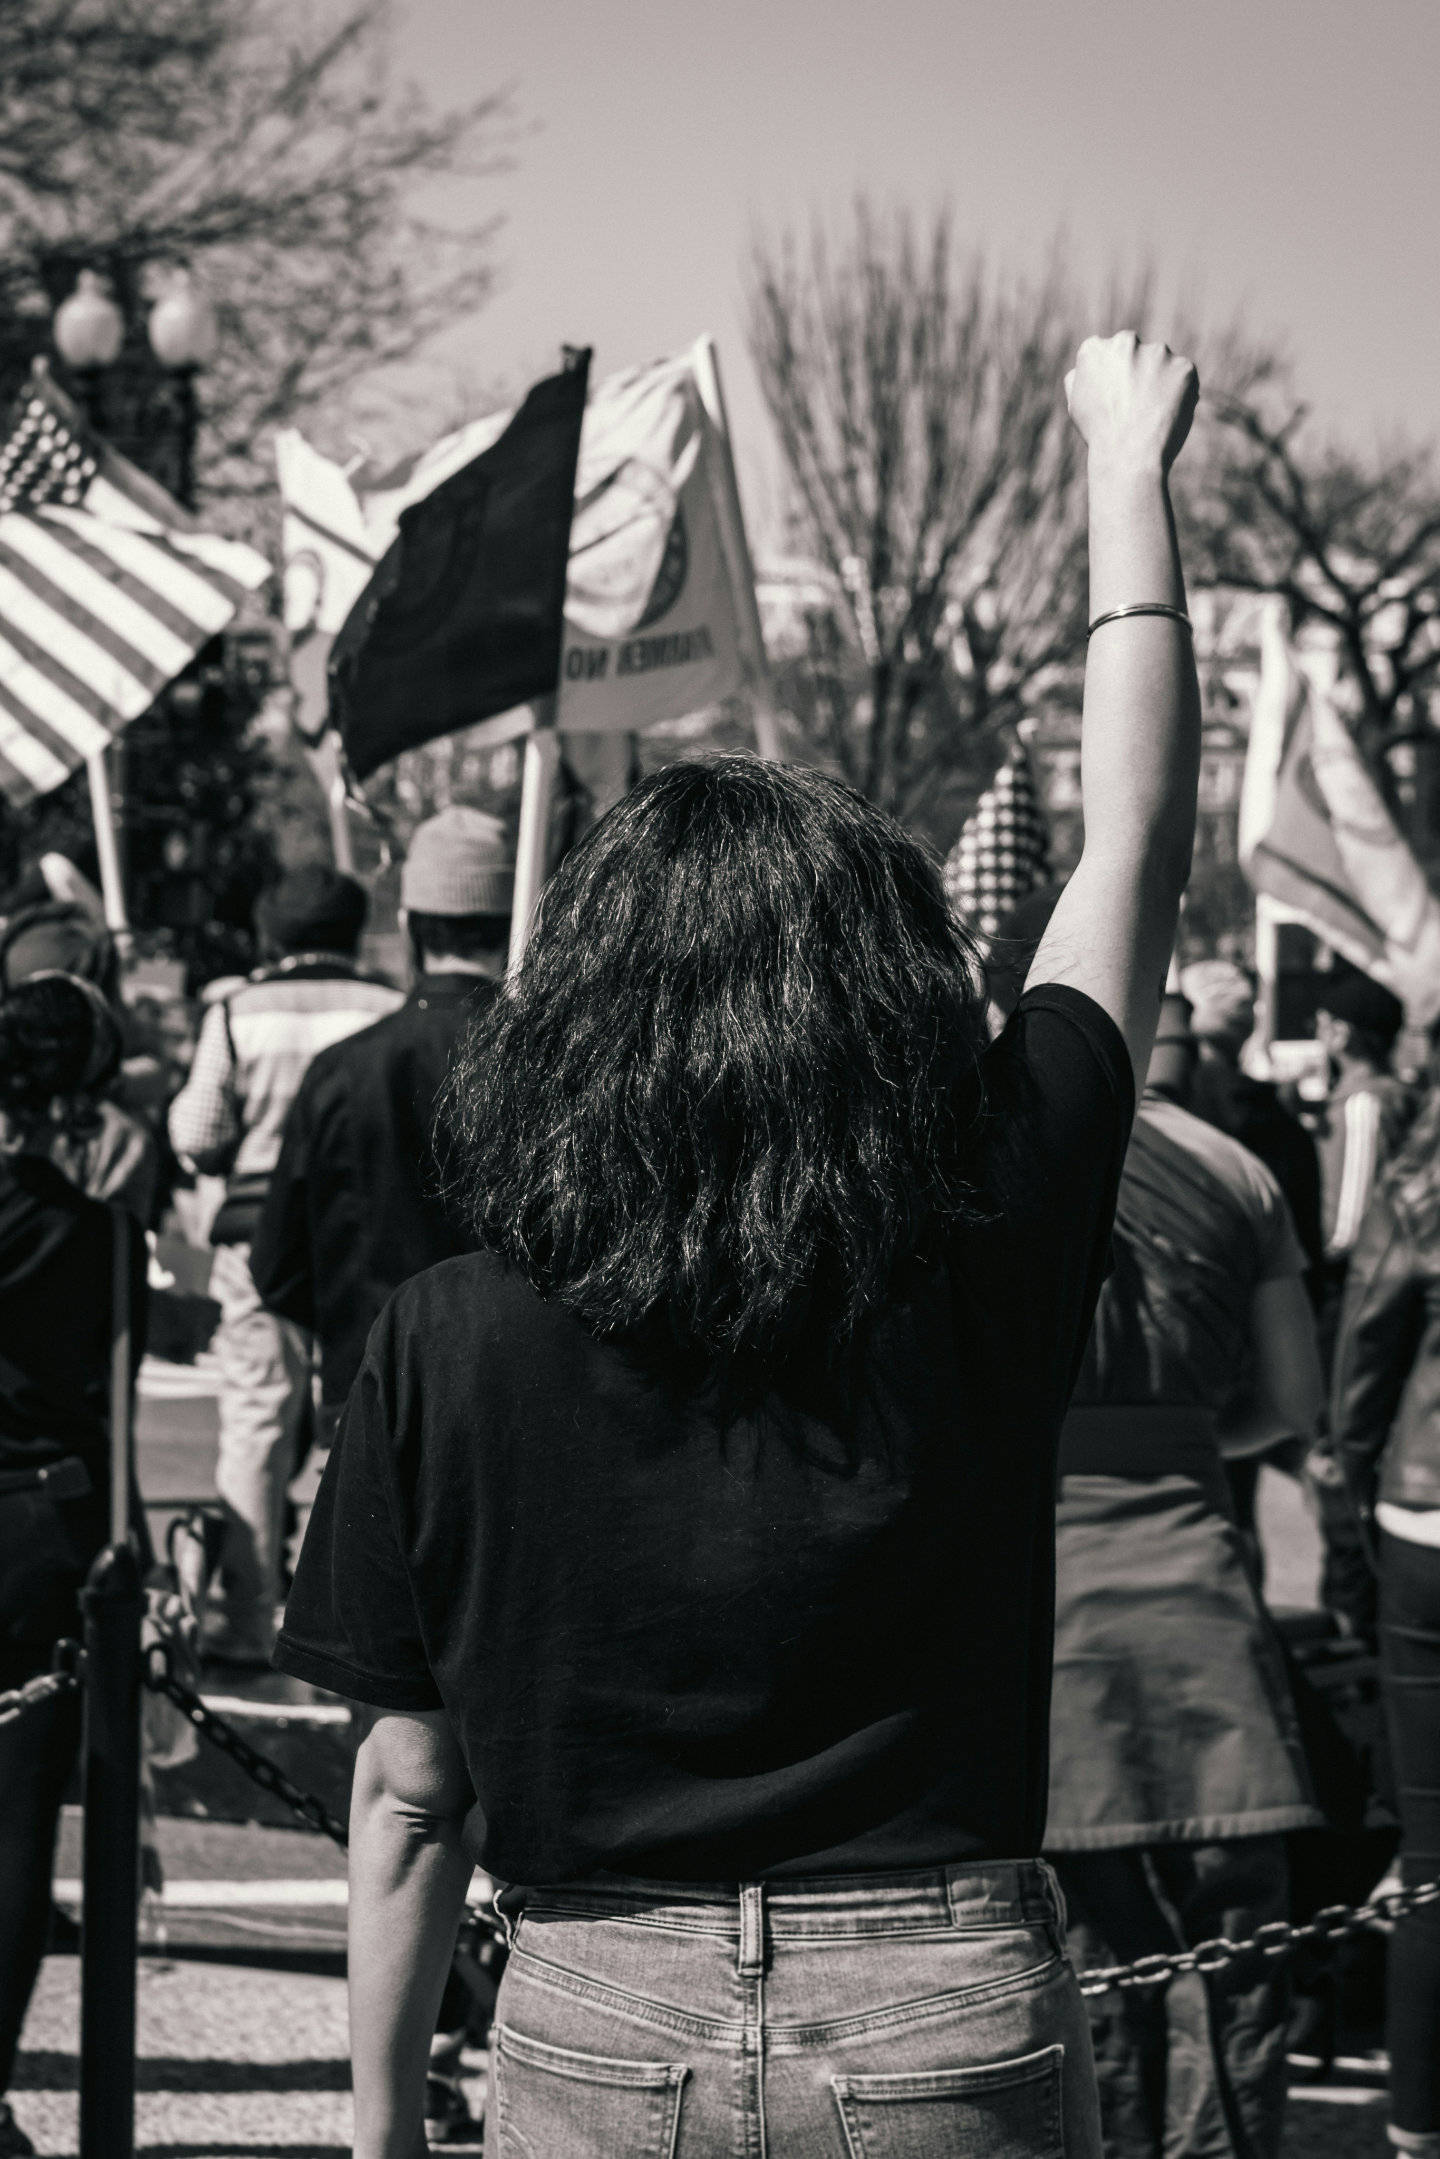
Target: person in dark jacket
[(1385, 1419), (355, 1205), (58, 1044)]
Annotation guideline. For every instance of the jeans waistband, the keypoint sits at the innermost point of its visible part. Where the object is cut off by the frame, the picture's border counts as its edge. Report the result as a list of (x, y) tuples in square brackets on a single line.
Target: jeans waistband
[(999, 1893)]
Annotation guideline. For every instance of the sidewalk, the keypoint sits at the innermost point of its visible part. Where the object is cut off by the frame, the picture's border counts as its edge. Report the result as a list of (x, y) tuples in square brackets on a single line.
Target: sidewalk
[(249, 2064)]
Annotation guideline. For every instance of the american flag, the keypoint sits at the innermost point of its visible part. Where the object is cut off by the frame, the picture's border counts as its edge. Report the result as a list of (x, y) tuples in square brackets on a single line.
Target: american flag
[(107, 591), (1003, 851)]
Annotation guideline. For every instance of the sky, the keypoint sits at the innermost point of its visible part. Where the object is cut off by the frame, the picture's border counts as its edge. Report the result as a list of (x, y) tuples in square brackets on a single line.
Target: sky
[(1277, 157)]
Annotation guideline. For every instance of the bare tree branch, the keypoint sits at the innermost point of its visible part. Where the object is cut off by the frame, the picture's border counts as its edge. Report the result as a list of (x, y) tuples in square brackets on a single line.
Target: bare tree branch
[(266, 149), (935, 478)]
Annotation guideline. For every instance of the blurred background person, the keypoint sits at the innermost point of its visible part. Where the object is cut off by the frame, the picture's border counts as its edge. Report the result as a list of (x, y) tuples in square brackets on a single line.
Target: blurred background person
[(1361, 1121), (355, 1205), (1222, 1019), (1176, 1760), (58, 1041), (256, 1043), (1385, 1418), (108, 1152)]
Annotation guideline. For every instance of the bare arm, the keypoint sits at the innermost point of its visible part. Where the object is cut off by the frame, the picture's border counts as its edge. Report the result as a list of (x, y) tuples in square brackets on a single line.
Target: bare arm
[(1111, 933), (408, 1875)]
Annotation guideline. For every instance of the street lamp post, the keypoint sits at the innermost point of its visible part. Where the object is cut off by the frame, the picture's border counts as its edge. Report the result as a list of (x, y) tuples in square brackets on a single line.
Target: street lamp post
[(89, 332), (182, 337), (90, 337)]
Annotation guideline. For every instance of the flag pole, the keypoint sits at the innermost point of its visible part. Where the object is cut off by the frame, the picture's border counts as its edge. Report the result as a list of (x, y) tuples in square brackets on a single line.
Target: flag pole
[(1267, 972), (537, 792), (542, 747), (742, 570), (107, 847)]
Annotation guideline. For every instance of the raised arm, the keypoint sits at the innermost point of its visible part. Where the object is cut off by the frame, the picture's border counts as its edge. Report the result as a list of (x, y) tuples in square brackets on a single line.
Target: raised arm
[(1111, 933)]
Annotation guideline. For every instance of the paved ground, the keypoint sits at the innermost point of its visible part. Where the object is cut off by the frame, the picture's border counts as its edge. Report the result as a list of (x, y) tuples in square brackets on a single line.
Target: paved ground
[(251, 2064), (240, 2060)]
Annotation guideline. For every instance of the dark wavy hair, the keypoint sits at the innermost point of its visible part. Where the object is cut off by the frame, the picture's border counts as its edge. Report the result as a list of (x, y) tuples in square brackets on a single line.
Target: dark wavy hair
[(736, 1074)]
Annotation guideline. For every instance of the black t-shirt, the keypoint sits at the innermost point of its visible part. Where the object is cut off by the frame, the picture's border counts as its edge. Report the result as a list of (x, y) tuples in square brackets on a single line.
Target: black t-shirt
[(814, 1642)]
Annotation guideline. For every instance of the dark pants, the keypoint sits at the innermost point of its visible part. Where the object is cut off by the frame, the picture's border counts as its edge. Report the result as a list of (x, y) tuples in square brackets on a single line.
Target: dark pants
[(1410, 1661), (1194, 2069), (37, 1754)]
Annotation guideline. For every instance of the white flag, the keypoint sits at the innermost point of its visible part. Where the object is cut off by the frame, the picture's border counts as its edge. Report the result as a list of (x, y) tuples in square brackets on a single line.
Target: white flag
[(656, 615), (1317, 835)]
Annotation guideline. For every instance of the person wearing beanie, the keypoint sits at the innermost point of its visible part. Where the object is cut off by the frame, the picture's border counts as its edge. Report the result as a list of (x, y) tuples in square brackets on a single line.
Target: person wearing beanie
[(256, 1044), (356, 1206)]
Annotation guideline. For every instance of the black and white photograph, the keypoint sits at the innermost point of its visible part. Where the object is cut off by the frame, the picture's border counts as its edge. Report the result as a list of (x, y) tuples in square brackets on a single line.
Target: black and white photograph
[(719, 1079)]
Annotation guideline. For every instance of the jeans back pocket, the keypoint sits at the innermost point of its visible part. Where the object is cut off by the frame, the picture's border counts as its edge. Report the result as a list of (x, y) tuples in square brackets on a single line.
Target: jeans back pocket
[(552, 2103), (1003, 2110)]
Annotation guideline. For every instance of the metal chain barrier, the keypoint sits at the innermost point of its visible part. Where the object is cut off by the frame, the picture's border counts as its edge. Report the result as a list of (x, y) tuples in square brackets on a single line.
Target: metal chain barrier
[(64, 1679), (258, 1767), (16, 1700), (1277, 1939)]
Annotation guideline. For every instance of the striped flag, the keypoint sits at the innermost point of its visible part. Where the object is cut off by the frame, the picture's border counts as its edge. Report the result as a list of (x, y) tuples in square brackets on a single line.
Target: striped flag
[(107, 591), (1003, 851)]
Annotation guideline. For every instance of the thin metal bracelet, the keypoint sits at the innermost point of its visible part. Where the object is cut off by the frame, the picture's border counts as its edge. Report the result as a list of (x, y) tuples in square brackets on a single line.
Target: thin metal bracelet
[(1144, 607)]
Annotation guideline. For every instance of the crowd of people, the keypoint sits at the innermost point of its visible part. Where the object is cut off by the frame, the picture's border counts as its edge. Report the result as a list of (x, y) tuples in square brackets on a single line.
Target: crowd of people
[(653, 1390)]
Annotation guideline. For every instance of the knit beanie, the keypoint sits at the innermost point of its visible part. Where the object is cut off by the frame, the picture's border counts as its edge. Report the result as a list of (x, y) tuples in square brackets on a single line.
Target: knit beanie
[(1222, 998), (460, 863)]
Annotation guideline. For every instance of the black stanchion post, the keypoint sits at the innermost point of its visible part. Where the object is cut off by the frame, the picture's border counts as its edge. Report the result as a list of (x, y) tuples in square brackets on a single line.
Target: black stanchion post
[(111, 1757), (111, 1855)]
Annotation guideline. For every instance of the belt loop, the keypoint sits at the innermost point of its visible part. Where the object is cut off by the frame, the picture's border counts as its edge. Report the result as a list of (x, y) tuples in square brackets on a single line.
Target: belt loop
[(752, 1927), (1052, 1879), (508, 1925)]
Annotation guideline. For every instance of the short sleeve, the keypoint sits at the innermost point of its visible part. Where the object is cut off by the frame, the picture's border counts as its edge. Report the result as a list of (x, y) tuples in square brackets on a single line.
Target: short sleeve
[(351, 1623), (1280, 1249), (1059, 1105), (1061, 1101)]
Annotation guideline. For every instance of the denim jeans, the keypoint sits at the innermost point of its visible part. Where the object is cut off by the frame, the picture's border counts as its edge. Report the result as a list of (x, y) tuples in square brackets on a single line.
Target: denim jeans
[(882, 2016), (1410, 1664)]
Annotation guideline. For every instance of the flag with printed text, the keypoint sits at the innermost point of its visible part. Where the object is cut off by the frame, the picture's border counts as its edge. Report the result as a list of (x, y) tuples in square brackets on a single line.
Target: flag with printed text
[(656, 613)]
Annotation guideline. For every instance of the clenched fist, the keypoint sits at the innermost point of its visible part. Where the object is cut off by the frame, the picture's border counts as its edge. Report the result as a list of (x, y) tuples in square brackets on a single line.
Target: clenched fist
[(1133, 403)]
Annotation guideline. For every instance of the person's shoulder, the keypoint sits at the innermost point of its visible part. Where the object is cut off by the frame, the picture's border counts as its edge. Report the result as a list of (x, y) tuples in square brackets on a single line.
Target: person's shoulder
[(474, 1288), (314, 986), (462, 1325), (1233, 1164), (1057, 1031)]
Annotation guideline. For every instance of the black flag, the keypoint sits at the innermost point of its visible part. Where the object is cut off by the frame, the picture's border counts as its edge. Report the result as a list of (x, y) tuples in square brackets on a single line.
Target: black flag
[(464, 616)]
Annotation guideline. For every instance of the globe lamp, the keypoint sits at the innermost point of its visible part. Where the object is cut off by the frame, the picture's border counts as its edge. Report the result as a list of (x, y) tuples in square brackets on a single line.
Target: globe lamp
[(89, 328), (182, 325)]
